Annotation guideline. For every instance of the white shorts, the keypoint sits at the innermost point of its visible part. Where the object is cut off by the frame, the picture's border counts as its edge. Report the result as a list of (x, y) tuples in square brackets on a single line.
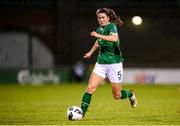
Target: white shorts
[(114, 72)]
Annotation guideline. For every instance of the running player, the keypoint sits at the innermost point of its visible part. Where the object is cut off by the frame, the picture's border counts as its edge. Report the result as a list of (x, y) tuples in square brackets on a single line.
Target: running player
[(109, 61)]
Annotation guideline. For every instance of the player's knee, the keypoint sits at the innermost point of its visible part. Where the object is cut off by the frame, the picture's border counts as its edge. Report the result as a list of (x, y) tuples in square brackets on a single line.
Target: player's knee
[(91, 89)]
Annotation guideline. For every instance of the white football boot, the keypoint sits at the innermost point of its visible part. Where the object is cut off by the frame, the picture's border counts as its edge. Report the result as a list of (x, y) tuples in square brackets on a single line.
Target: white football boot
[(133, 100)]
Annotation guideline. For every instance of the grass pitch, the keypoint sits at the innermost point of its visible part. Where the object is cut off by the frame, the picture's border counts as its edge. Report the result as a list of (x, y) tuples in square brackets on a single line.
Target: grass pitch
[(47, 105)]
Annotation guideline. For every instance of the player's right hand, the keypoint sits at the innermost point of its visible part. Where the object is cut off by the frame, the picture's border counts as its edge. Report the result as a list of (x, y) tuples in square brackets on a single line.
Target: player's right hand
[(87, 56)]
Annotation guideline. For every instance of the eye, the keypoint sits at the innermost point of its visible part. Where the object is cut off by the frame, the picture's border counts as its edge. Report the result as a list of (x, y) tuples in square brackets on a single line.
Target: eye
[(102, 17), (99, 18)]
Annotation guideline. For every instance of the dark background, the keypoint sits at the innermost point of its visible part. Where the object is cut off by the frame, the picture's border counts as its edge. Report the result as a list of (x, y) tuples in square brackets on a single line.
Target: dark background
[(64, 27)]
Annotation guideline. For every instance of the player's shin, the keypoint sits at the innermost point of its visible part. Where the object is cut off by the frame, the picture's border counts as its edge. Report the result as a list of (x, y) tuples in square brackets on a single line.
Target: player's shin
[(126, 94), (85, 102)]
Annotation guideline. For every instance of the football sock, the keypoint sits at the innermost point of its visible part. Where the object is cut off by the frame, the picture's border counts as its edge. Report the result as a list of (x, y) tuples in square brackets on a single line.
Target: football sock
[(125, 94), (85, 102)]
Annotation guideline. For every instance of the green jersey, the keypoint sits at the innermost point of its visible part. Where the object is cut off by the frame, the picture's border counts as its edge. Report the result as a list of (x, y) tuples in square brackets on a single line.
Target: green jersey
[(109, 52)]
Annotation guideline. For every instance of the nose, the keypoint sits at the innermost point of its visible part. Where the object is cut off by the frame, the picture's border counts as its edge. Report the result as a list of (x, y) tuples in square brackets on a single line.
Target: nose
[(101, 19)]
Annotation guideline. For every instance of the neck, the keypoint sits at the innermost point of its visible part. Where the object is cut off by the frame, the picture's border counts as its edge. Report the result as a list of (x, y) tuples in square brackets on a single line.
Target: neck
[(105, 25)]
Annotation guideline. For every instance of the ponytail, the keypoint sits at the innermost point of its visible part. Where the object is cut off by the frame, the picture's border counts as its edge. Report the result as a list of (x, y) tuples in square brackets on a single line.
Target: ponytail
[(113, 17)]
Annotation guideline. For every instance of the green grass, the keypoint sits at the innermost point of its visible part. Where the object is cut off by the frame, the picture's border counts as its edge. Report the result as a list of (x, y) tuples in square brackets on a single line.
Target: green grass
[(157, 105)]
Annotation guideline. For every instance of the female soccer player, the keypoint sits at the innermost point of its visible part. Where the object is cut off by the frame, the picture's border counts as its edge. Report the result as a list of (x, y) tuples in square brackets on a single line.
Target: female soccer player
[(109, 61)]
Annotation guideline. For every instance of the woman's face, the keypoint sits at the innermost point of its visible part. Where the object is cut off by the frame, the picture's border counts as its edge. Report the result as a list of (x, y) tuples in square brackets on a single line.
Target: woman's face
[(103, 19)]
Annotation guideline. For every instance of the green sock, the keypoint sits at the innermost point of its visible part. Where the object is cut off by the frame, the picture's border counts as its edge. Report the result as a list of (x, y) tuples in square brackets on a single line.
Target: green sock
[(125, 94), (85, 102)]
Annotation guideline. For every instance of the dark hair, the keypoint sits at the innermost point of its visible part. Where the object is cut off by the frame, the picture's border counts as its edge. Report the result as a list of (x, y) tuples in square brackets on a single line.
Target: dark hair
[(113, 17)]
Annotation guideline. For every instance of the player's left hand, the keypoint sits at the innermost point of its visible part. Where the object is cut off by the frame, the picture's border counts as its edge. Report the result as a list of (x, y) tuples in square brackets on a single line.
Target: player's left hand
[(95, 34)]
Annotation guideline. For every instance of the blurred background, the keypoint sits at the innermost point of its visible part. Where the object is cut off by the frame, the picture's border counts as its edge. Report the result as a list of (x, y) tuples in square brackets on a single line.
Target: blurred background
[(43, 41)]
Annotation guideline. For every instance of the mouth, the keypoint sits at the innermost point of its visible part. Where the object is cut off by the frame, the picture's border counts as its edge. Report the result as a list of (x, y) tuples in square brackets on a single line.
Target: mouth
[(102, 23)]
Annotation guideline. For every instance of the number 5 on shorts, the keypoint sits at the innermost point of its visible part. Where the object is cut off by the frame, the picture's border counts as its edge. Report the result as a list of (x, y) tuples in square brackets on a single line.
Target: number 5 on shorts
[(119, 75)]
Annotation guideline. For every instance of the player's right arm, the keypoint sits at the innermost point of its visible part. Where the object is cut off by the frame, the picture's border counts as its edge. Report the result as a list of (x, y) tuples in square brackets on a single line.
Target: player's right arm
[(94, 47)]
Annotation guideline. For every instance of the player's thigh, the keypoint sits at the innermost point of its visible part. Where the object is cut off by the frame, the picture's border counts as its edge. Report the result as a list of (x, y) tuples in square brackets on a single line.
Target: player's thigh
[(115, 73), (94, 81)]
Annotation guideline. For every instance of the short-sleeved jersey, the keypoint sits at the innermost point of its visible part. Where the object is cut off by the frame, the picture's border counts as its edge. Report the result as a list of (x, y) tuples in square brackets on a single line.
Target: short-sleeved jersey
[(109, 52)]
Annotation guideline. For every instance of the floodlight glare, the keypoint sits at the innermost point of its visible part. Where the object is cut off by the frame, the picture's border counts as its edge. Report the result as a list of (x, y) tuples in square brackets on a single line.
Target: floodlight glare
[(137, 20)]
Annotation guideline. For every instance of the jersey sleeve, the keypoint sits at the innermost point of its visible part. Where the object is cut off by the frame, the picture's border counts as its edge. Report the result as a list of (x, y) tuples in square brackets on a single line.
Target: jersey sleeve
[(113, 29)]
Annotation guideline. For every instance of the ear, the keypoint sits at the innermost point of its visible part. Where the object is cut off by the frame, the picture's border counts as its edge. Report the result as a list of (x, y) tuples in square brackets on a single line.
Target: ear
[(108, 18)]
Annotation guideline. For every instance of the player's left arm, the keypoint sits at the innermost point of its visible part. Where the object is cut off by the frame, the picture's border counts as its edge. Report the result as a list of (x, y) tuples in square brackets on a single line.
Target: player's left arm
[(113, 37)]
